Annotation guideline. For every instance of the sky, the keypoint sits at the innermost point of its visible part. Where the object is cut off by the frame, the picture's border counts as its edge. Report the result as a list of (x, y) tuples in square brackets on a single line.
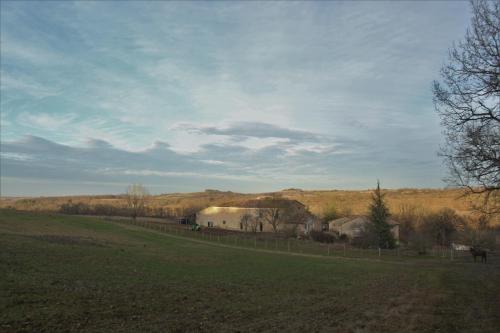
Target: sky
[(242, 96)]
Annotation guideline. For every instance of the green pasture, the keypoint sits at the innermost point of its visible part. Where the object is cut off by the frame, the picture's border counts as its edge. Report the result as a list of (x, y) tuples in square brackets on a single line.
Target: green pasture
[(66, 273)]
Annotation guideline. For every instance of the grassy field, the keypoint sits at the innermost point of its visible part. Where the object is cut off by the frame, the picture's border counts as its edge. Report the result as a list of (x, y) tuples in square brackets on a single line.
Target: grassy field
[(63, 273)]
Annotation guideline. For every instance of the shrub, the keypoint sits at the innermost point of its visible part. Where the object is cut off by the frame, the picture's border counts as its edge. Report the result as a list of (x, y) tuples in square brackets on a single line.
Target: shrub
[(344, 238), (322, 237), (367, 237), (409, 217), (477, 231), (81, 208), (440, 227)]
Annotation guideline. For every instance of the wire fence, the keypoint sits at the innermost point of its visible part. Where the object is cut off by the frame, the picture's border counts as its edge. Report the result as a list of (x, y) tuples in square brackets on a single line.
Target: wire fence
[(279, 242)]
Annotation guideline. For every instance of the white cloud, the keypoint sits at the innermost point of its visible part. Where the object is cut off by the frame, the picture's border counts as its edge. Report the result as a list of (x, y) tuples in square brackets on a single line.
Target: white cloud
[(45, 120)]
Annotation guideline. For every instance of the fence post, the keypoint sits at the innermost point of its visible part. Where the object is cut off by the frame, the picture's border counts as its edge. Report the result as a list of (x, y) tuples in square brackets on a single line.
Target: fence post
[(379, 252), (344, 249), (328, 249), (289, 245)]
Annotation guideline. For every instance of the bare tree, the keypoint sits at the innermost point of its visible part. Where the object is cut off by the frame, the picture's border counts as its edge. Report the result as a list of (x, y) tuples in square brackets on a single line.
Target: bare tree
[(136, 198), (254, 224), (273, 217), (246, 220), (468, 102)]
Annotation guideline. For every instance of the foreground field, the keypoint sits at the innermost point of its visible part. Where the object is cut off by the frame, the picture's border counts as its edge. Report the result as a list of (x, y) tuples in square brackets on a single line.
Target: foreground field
[(81, 274)]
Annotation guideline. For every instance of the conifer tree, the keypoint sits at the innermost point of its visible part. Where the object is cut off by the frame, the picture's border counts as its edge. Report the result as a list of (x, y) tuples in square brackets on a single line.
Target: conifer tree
[(379, 215)]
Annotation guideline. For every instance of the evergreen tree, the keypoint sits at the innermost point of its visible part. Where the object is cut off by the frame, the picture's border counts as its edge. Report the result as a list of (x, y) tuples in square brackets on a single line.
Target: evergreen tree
[(379, 214)]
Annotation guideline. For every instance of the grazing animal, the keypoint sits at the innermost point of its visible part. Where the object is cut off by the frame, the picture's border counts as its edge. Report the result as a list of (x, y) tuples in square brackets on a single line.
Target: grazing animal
[(477, 252)]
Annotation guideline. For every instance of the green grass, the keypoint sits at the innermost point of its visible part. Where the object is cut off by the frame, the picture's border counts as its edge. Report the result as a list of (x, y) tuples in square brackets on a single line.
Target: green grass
[(62, 273)]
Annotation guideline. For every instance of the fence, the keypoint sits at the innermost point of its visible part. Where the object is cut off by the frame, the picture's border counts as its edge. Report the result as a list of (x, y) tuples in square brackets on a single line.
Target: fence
[(272, 242)]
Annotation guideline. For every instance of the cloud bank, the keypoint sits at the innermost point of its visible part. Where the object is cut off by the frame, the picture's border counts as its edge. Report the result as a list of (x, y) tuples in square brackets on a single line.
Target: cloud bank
[(222, 166)]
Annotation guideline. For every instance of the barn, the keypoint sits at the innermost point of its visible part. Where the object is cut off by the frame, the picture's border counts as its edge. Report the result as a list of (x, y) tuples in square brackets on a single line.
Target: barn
[(250, 216)]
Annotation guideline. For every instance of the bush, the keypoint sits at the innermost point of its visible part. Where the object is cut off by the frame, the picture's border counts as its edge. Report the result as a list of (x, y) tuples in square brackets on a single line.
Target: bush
[(367, 237), (81, 208), (409, 218), (477, 231), (322, 237), (78, 208), (291, 232), (430, 229), (440, 227)]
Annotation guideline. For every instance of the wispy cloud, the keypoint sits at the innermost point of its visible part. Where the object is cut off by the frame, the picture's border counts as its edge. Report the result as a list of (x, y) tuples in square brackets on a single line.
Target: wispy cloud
[(45, 120), (26, 86)]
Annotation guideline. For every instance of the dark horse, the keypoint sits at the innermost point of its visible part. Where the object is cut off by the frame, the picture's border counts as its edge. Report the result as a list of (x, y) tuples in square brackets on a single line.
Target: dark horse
[(477, 252)]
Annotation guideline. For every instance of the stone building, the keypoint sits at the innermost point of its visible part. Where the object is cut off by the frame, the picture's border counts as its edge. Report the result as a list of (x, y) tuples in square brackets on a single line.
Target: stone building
[(250, 216)]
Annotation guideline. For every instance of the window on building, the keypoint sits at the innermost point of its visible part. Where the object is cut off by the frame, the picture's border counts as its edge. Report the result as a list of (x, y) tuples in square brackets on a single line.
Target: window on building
[(223, 221), (260, 226), (210, 224), (241, 226)]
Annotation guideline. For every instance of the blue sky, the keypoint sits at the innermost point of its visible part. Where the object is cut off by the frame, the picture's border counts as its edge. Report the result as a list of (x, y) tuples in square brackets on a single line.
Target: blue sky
[(242, 96)]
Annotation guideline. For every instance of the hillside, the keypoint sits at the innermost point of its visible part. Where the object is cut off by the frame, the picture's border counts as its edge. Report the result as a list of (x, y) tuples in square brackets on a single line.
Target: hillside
[(344, 202)]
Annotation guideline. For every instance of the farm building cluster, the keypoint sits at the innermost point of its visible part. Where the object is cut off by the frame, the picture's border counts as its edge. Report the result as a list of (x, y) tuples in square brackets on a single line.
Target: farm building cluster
[(269, 215)]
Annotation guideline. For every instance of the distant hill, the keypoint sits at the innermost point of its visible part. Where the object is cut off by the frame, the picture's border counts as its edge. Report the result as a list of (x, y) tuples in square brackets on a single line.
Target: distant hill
[(318, 202)]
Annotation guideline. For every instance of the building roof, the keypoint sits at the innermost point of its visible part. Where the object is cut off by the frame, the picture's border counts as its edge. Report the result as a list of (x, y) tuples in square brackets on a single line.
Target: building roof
[(216, 209), (359, 219), (340, 221)]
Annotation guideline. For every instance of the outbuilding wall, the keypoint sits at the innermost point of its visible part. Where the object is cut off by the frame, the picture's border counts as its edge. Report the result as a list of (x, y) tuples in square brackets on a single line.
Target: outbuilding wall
[(229, 218)]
